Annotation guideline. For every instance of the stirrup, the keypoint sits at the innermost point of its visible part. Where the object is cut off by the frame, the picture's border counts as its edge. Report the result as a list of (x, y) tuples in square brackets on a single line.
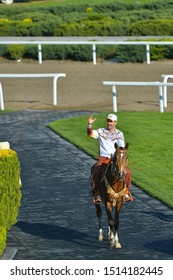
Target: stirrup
[(128, 197), (97, 200)]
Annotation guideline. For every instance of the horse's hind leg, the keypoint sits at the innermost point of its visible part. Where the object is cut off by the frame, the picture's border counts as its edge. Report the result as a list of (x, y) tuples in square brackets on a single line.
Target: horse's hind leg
[(99, 215)]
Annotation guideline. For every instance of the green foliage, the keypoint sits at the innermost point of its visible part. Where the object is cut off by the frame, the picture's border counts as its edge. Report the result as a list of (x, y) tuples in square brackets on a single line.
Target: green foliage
[(93, 18), (82, 53), (157, 27), (34, 16), (4, 27), (54, 52), (131, 53), (89, 10), (67, 29), (158, 52), (16, 51), (106, 52), (3, 50), (10, 193), (169, 52), (31, 52), (2, 239)]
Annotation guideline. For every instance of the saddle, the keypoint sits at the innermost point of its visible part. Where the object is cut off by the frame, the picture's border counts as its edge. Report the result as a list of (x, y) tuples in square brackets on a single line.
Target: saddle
[(106, 162)]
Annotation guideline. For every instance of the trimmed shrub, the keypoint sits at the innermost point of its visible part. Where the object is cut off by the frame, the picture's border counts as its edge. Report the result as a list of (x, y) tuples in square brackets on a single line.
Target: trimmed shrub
[(4, 27), (159, 27), (3, 233), (157, 52), (3, 50), (67, 29), (73, 52), (10, 192), (169, 52), (53, 52), (31, 52), (81, 53), (89, 10), (27, 20), (106, 51), (130, 53), (16, 51)]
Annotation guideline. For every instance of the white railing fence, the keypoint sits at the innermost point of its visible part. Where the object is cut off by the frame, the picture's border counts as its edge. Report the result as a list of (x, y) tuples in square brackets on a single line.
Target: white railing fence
[(91, 41), (161, 86), (55, 77)]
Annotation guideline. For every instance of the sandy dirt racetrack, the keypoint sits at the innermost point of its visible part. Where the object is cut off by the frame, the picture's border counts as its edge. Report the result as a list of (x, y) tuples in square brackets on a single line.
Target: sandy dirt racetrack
[(82, 89)]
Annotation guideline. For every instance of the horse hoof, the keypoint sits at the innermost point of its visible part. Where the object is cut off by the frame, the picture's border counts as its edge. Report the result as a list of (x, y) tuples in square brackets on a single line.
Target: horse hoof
[(100, 238), (117, 245), (111, 243)]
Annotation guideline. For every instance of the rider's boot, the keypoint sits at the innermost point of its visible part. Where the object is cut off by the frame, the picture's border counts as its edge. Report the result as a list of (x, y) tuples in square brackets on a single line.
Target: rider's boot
[(128, 196)]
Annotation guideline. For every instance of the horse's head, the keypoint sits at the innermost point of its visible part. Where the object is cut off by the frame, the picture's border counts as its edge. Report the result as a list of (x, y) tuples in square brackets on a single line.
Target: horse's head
[(120, 160)]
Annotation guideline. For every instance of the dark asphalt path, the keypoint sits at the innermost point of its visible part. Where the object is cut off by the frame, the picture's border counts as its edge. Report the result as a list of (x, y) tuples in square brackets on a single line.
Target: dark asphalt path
[(57, 218)]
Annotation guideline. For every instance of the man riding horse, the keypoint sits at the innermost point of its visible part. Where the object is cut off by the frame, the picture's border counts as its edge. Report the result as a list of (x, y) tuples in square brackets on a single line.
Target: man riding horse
[(107, 138)]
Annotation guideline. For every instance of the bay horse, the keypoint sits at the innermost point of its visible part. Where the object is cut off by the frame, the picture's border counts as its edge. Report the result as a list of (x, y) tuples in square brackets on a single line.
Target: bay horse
[(113, 189)]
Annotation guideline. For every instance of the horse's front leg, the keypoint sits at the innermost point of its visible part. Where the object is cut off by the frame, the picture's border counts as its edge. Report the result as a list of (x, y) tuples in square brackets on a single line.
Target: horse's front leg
[(111, 236), (99, 215), (116, 224)]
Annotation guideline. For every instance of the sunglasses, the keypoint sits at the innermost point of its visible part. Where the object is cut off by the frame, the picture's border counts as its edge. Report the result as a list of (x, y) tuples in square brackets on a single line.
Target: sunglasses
[(109, 120)]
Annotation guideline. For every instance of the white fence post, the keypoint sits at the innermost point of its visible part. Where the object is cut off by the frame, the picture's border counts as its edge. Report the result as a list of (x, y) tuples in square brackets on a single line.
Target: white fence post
[(165, 80), (165, 93), (1, 98), (161, 99), (148, 54), (94, 54), (114, 98), (55, 87), (39, 54)]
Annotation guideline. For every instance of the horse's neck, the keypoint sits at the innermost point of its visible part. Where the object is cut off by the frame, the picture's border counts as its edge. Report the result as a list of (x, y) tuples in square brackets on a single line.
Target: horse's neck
[(117, 185), (111, 174), (113, 170)]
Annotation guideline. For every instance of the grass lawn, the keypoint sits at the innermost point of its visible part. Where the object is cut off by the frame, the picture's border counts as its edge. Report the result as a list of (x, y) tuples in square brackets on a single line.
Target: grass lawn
[(150, 147)]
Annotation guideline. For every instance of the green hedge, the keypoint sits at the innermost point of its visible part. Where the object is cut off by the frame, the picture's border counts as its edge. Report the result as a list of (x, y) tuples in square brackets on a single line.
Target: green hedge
[(156, 27), (123, 53), (114, 18), (10, 192)]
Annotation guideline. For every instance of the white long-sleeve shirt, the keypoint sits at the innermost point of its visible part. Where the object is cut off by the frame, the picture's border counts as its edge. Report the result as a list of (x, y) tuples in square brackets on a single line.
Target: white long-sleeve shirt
[(107, 140)]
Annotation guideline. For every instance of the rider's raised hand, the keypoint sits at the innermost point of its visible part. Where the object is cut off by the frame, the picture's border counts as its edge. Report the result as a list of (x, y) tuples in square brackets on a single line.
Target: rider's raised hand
[(91, 120)]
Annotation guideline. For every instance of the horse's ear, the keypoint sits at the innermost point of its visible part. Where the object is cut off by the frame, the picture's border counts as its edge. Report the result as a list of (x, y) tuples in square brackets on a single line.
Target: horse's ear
[(115, 145), (127, 145)]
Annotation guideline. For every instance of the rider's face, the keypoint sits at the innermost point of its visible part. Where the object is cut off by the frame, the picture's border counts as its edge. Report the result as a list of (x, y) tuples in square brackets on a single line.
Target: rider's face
[(111, 124)]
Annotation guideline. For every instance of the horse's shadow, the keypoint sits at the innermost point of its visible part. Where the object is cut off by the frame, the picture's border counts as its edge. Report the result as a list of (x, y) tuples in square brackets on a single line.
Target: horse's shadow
[(56, 232), (162, 246), (159, 215)]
